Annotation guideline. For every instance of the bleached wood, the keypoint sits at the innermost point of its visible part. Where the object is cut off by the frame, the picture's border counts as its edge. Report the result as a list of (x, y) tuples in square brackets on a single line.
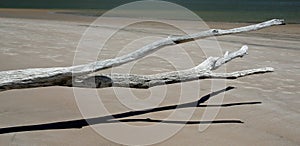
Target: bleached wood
[(152, 47), (62, 76), (202, 71), (148, 81)]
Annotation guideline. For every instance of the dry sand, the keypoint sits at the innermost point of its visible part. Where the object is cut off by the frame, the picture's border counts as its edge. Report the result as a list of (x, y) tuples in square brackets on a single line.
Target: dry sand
[(39, 38)]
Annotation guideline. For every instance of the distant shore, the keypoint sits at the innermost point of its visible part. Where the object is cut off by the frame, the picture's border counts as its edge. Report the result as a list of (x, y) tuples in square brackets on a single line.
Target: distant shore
[(91, 14), (217, 10)]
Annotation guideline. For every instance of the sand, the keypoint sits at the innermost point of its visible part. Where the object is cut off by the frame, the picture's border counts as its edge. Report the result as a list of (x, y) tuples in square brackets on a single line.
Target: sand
[(40, 38)]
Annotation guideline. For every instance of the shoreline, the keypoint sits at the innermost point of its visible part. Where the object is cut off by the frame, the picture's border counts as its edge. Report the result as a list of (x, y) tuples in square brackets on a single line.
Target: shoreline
[(90, 14)]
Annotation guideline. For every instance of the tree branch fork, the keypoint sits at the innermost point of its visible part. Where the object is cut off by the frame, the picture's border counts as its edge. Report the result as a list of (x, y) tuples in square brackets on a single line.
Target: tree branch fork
[(80, 76)]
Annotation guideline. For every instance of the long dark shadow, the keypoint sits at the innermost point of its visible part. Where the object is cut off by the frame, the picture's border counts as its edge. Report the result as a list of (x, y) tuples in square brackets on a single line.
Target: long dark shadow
[(231, 104), (113, 118), (178, 122)]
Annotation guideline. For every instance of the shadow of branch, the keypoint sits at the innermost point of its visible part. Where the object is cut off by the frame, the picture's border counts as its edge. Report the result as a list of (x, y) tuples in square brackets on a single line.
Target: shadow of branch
[(113, 118)]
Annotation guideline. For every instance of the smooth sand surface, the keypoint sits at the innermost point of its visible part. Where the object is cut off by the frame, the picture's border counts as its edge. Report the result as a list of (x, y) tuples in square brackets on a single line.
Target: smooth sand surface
[(39, 38)]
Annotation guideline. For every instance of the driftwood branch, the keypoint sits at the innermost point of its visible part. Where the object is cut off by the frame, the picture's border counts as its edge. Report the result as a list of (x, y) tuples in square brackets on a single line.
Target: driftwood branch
[(74, 75), (202, 71)]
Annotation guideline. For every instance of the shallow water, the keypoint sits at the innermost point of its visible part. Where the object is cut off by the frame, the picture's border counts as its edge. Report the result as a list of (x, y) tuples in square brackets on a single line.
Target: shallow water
[(217, 10)]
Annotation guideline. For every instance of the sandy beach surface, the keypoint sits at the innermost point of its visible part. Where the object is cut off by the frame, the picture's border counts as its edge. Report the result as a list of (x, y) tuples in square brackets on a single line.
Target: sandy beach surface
[(266, 104)]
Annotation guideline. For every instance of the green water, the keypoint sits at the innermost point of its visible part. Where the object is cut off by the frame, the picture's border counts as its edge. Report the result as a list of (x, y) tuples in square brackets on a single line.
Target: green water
[(210, 10)]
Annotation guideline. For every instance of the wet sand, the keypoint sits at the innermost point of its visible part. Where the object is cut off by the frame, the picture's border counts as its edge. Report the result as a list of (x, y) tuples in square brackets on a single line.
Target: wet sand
[(39, 38)]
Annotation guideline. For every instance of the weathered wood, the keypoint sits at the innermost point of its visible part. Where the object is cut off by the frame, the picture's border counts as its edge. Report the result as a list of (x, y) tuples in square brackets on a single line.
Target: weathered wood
[(202, 71), (62, 76)]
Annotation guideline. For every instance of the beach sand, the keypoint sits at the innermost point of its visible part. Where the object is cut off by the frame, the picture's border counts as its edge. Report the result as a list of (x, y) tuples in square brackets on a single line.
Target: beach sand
[(41, 38)]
